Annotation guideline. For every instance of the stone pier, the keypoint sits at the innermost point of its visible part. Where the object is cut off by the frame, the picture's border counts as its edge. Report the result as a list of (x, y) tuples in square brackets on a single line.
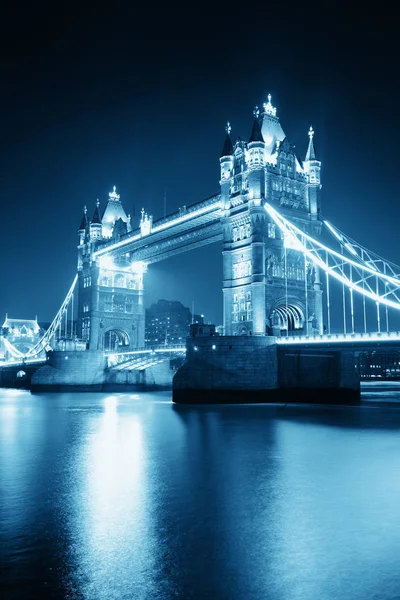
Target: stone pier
[(235, 369)]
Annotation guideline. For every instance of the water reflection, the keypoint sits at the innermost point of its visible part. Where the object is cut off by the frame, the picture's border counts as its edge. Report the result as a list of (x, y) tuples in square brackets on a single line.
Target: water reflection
[(107, 515), (129, 497)]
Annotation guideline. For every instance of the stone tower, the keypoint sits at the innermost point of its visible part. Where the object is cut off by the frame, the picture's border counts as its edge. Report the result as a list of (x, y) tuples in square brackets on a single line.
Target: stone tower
[(268, 286), (110, 290)]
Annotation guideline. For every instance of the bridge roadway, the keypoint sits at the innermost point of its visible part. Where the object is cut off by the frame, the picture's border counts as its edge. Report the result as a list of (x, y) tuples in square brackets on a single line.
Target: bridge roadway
[(189, 228), (358, 341)]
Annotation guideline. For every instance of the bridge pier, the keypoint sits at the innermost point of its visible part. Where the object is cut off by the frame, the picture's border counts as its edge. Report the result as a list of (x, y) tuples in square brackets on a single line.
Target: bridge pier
[(245, 369)]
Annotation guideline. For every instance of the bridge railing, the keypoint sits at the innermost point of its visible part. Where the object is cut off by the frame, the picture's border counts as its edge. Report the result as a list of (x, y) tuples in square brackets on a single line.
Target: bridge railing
[(339, 338), (147, 354)]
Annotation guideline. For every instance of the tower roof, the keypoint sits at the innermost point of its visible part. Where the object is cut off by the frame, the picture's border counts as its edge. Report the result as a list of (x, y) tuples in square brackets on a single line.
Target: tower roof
[(227, 150), (84, 222), (271, 129), (311, 150), (113, 211), (256, 135), (96, 215)]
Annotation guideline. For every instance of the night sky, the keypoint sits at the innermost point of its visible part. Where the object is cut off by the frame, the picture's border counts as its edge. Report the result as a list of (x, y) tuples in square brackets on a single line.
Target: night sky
[(139, 99)]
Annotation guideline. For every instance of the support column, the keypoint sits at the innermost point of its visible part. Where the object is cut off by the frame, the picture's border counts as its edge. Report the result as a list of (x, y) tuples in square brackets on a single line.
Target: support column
[(258, 222)]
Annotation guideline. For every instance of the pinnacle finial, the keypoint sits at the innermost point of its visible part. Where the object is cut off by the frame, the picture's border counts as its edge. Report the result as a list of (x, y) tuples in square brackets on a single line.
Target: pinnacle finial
[(256, 112), (85, 209), (113, 195), (268, 108), (311, 132), (228, 128), (97, 203)]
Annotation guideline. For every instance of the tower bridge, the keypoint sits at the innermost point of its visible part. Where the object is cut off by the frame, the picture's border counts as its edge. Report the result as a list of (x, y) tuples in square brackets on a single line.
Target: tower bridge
[(278, 274), (267, 287)]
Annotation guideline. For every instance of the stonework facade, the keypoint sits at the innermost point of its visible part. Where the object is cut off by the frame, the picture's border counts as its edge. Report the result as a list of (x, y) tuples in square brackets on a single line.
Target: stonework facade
[(110, 290), (268, 286)]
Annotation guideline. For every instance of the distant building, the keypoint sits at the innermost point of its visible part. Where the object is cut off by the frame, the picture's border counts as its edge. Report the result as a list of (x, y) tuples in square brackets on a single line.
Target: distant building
[(167, 322), (23, 334), (202, 330)]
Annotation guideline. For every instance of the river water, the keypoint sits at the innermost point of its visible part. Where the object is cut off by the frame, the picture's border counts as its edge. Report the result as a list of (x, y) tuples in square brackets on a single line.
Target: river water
[(126, 496)]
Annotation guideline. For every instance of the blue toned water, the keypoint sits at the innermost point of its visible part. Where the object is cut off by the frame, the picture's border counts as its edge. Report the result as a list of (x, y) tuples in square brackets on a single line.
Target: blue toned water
[(114, 497)]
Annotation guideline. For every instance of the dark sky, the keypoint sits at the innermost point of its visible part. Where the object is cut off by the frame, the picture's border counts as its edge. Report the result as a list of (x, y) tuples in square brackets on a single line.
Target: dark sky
[(138, 98)]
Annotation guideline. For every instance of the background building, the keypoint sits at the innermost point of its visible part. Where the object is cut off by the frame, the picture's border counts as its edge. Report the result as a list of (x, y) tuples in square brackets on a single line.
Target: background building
[(22, 334), (167, 322)]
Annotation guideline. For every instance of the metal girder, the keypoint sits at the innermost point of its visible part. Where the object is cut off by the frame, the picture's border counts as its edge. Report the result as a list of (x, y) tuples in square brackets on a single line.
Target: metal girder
[(357, 272), (157, 251)]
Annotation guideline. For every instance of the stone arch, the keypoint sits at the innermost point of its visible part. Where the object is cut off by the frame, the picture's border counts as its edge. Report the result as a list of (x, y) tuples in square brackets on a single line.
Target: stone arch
[(115, 340), (287, 317)]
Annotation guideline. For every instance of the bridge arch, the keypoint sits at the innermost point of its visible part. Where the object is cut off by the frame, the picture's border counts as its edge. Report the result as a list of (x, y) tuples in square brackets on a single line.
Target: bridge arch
[(288, 317), (115, 339)]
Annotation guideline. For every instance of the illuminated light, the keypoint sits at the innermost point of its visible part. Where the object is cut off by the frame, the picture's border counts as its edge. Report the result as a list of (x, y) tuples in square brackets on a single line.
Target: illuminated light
[(333, 230), (268, 108), (285, 225), (214, 207), (290, 241), (139, 267), (214, 347), (195, 348), (145, 223), (66, 358), (339, 237), (110, 403), (350, 249), (181, 349), (338, 339), (113, 195), (106, 262), (268, 140)]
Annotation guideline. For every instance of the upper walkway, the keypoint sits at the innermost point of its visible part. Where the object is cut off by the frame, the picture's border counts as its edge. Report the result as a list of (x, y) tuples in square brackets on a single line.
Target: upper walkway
[(190, 227)]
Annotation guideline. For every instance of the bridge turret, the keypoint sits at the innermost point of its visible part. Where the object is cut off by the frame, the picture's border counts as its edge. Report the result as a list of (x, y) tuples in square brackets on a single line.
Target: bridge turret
[(226, 163), (83, 228), (95, 225), (312, 167), (271, 129), (113, 211), (255, 158)]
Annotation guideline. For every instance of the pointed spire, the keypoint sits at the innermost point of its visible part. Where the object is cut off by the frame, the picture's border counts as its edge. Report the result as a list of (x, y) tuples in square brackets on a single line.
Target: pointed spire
[(256, 135), (268, 108), (96, 215), (311, 150), (84, 220), (113, 195), (227, 150)]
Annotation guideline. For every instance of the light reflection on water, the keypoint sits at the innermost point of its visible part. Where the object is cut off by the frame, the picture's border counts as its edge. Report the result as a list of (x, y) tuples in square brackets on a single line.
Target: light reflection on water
[(127, 496)]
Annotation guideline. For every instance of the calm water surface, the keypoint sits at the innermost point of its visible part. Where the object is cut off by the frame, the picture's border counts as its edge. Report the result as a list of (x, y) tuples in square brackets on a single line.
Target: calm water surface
[(114, 497)]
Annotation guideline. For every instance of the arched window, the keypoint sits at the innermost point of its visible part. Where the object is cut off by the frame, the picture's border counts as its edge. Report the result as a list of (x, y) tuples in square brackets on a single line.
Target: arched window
[(119, 280)]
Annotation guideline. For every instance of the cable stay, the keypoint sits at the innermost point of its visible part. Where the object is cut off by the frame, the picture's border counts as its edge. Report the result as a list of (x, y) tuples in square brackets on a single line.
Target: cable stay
[(44, 342), (366, 256), (15, 353), (358, 272)]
